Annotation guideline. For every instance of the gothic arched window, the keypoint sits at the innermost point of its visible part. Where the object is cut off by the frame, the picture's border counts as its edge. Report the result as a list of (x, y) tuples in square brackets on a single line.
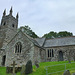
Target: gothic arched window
[(18, 47), (50, 53)]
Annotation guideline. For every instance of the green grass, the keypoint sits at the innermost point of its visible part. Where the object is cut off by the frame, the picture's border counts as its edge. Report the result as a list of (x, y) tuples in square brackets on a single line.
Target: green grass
[(3, 71), (42, 71)]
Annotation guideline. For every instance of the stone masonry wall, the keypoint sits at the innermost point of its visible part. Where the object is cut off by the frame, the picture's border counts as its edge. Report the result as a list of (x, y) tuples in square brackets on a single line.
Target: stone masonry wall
[(2, 53), (43, 55), (37, 57), (68, 52), (24, 56)]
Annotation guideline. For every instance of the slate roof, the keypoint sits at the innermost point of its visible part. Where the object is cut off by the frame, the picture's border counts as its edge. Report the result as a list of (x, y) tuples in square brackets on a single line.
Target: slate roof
[(64, 41), (35, 42), (43, 42), (31, 39), (60, 41), (40, 41)]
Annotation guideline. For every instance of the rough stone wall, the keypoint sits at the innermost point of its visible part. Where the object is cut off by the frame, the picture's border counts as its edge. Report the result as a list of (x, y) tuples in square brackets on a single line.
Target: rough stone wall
[(7, 31), (43, 55), (2, 36), (24, 56), (68, 53), (9, 35), (2, 53), (37, 57)]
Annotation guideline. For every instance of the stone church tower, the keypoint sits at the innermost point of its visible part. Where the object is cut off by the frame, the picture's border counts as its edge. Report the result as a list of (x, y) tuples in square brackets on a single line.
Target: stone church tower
[(8, 27)]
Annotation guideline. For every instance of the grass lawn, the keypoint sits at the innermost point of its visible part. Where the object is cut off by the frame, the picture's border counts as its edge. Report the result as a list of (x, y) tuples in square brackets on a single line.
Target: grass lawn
[(3, 71), (42, 71)]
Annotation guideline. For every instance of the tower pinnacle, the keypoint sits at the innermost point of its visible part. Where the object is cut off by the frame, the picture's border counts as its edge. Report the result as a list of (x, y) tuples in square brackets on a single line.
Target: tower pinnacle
[(17, 16), (11, 11), (4, 13)]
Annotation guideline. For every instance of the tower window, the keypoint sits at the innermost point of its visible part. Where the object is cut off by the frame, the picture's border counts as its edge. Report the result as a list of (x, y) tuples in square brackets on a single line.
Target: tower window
[(13, 25), (4, 23), (18, 47)]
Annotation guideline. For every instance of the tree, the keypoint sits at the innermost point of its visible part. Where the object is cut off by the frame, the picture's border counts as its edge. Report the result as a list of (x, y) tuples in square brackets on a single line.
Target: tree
[(28, 31), (50, 35), (53, 34), (64, 34)]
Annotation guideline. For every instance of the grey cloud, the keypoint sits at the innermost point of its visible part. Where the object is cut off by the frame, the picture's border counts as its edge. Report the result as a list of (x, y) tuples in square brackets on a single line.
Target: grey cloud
[(45, 15)]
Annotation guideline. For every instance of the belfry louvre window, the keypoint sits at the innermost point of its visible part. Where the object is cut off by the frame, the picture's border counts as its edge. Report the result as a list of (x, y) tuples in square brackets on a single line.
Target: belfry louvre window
[(18, 47), (50, 53), (13, 25), (4, 23)]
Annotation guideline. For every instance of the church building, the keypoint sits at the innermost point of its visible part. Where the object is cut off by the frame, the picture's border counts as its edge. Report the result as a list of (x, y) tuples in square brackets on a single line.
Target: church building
[(19, 47)]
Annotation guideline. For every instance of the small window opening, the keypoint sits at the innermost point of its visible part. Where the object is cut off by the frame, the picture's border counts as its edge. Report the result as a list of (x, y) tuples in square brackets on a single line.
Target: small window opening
[(13, 25), (50, 53)]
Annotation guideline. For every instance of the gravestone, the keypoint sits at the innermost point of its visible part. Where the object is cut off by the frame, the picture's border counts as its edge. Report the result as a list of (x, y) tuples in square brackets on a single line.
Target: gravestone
[(36, 64), (67, 72), (13, 67), (29, 67), (23, 70), (10, 69), (73, 74)]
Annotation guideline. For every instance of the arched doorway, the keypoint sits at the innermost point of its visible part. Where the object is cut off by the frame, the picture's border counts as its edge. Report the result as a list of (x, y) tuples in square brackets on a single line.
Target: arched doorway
[(3, 60), (60, 56)]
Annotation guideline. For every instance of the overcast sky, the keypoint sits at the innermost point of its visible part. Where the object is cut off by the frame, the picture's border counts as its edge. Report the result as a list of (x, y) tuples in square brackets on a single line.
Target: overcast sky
[(43, 16)]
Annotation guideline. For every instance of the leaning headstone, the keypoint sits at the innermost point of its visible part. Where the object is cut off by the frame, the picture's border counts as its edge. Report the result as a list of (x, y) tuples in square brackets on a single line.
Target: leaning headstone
[(73, 74), (67, 72), (29, 67), (36, 64), (23, 70)]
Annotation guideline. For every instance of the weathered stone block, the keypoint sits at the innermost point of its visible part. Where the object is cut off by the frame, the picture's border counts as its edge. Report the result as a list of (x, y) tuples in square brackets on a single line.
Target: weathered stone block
[(67, 72)]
